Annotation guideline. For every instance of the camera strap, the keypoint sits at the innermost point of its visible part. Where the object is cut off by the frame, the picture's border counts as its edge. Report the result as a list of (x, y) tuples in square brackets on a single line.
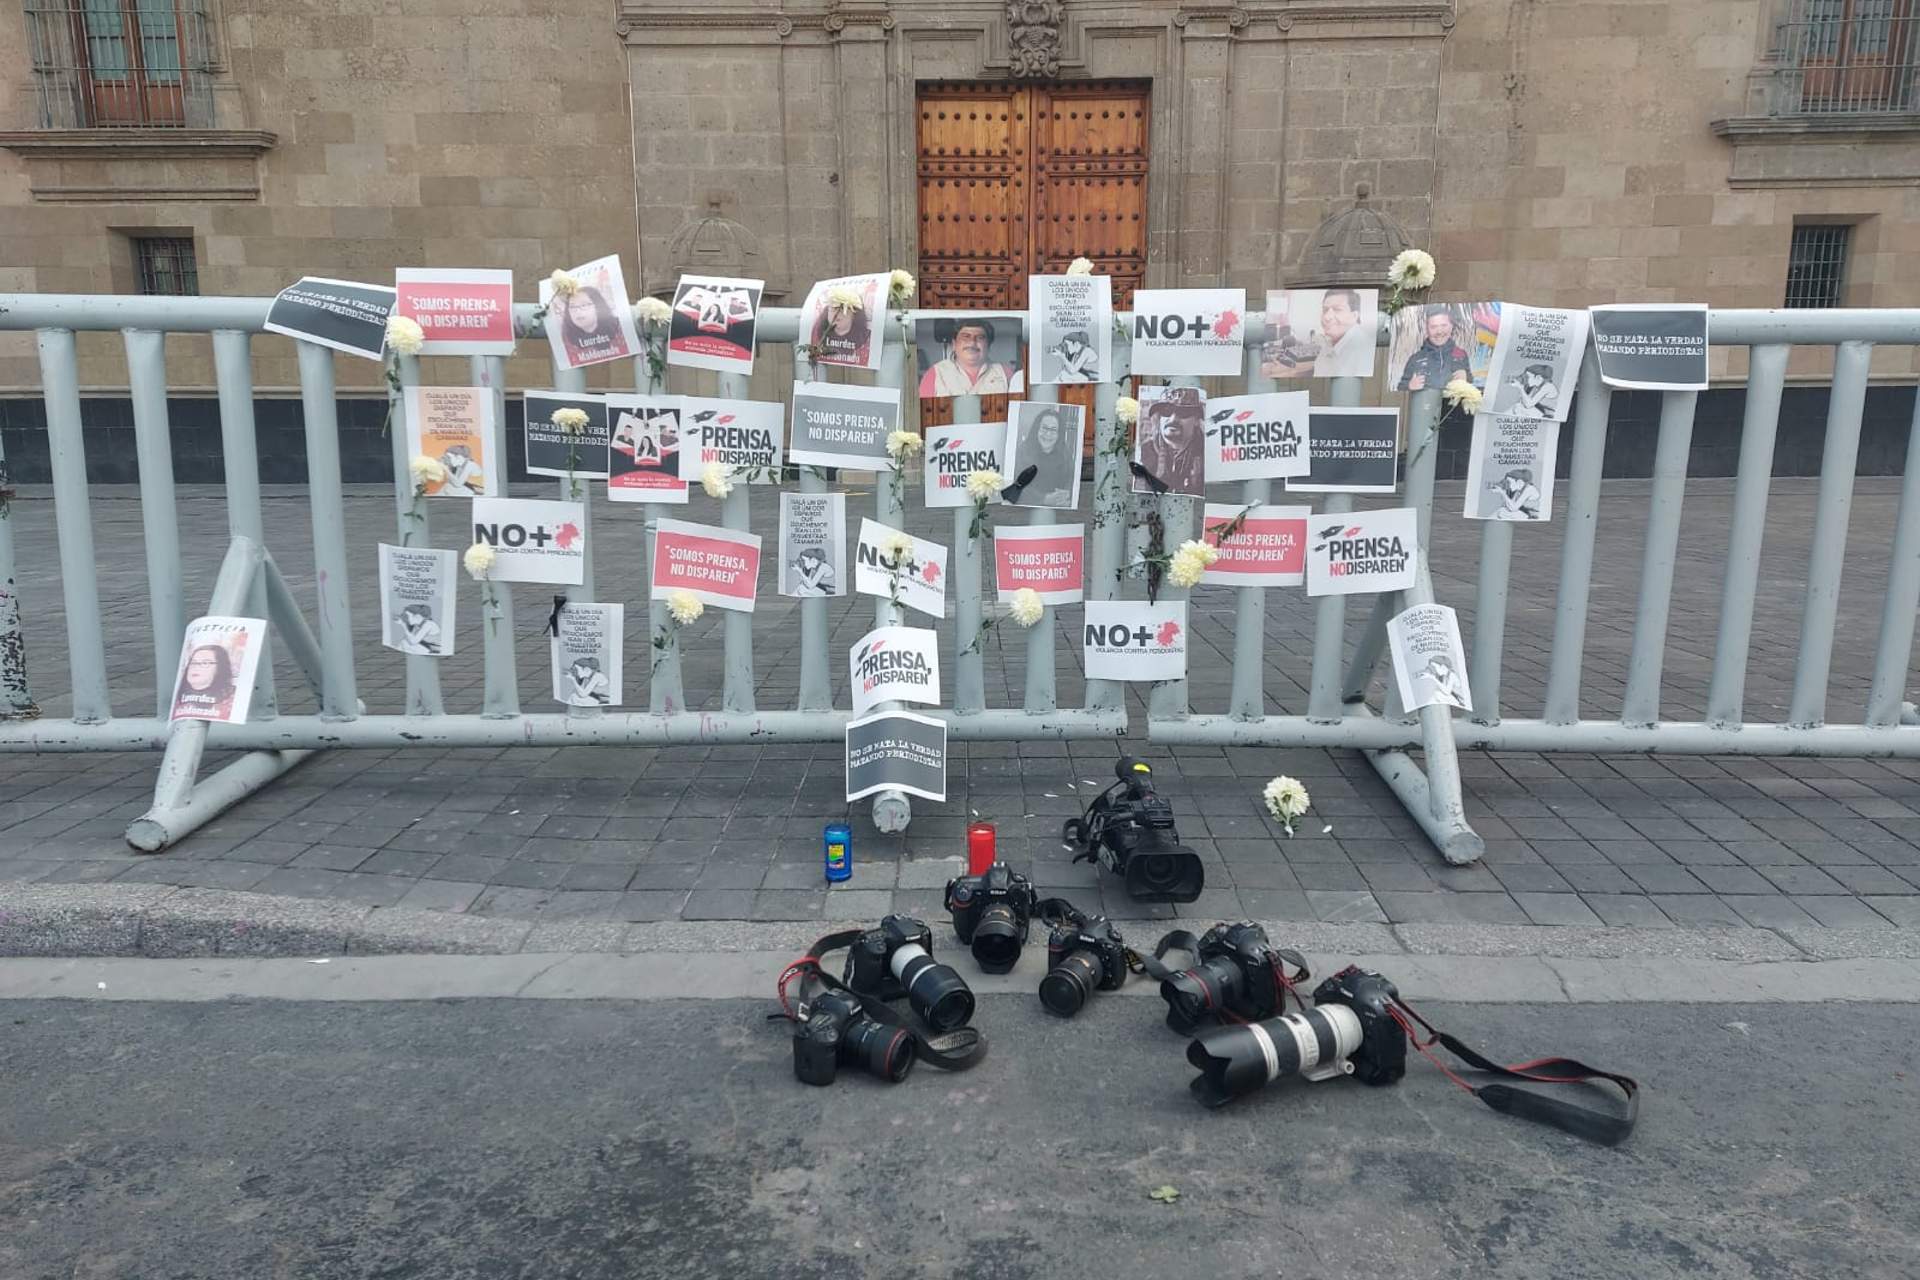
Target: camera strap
[(951, 1051), (1582, 1122)]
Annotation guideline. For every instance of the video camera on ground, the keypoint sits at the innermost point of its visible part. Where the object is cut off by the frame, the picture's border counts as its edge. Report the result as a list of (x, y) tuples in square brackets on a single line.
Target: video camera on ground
[(1129, 830)]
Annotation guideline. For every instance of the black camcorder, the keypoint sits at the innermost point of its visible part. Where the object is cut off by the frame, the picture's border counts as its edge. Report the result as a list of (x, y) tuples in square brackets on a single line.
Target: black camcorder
[(991, 913), (1350, 1030), (1085, 954), (835, 1029), (894, 959), (1237, 971), (1129, 830)]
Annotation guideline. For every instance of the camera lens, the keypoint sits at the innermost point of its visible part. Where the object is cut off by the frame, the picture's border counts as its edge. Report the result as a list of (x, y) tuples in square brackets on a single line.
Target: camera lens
[(937, 993), (1175, 875), (1068, 984), (884, 1051), (996, 939), (1198, 994)]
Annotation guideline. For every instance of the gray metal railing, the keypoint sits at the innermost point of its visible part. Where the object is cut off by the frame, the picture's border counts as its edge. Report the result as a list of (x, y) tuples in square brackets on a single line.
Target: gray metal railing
[(1843, 57)]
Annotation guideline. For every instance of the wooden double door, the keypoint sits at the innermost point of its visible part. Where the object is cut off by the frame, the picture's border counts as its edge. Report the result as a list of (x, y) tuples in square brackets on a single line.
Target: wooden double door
[(1020, 179)]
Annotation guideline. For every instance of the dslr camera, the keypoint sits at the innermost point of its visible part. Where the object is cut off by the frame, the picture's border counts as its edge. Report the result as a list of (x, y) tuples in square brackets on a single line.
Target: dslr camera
[(1085, 954), (1129, 830), (894, 959), (1348, 1031), (1236, 971), (835, 1029), (991, 912)]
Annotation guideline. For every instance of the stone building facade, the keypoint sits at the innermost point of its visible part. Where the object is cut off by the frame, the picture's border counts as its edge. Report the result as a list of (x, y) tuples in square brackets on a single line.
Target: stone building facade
[(1548, 151)]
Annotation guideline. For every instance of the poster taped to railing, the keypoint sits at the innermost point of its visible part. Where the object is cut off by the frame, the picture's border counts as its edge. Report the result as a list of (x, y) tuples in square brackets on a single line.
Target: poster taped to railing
[(1536, 361), (1070, 323), (720, 566), (563, 448), (958, 450), (1362, 551), (1510, 468), (843, 425), (1266, 546), (1320, 333), (912, 572), (454, 427), (217, 665), (643, 462), (894, 664), (533, 540), (1429, 662), (341, 315), (742, 437), (1429, 345), (1257, 437), (897, 751), (594, 323), (1135, 640), (1170, 441), (465, 311), (1047, 558), (584, 650), (1651, 346), (1046, 437), (418, 595), (1350, 451), (841, 321), (713, 325), (813, 544), (975, 355), (1196, 332)]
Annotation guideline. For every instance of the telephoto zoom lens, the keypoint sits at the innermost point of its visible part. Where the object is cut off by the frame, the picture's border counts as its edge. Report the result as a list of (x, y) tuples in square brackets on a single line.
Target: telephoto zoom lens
[(937, 992), (1239, 1059), (996, 938), (1068, 984)]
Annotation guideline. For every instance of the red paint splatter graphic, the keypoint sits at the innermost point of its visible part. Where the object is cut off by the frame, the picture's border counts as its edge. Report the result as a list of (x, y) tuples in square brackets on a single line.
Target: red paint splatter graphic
[(1167, 634), (930, 574), (1226, 324), (566, 536)]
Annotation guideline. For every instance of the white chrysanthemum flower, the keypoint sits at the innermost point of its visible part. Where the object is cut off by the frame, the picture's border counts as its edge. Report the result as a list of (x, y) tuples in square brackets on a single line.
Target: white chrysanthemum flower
[(564, 284), (716, 479), (683, 606), (571, 421), (1126, 411), (896, 548), (426, 471), (1026, 606), (845, 297), (1190, 563), (1286, 799), (901, 286), (652, 311), (1462, 393), (478, 561), (1413, 269), (902, 443), (983, 485), (405, 337), (1080, 267)]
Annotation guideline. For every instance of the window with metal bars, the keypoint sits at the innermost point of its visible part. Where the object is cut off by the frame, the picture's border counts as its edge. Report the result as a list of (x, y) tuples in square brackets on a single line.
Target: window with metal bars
[(1817, 265), (165, 265), (1849, 56), (121, 63)]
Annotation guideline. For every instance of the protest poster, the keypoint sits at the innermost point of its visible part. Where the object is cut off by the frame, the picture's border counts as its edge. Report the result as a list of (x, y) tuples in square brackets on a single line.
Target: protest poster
[(841, 425), (594, 323), (1170, 441), (533, 540), (1135, 640), (1070, 324), (1430, 343), (584, 650), (1350, 451), (897, 751), (720, 566), (894, 664), (1510, 467), (462, 311), (454, 427), (841, 320), (1046, 437), (813, 544), (418, 591), (1362, 551), (714, 319), (1266, 548), (1200, 332), (743, 436), (339, 314), (1536, 361), (919, 583), (218, 659), (955, 452), (554, 451), (1047, 558), (1320, 333), (1257, 437), (643, 457), (977, 355), (1429, 662), (1651, 346)]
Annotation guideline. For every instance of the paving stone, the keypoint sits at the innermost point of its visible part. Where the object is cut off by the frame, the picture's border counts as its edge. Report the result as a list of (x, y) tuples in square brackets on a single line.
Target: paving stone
[(1627, 911), (529, 875), (1768, 911), (1871, 879), (596, 875), (399, 862), (1735, 879), (1665, 879), (788, 904), (1277, 904), (1556, 908), (1842, 912), (1527, 878), (1802, 880), (440, 895), (1451, 908), (1695, 908), (1902, 911), (719, 904)]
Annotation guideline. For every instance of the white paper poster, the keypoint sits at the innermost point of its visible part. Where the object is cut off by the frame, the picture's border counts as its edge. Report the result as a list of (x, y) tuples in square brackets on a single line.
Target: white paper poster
[(418, 591), (921, 578), (1362, 551), (843, 425), (1257, 437), (742, 436), (454, 427), (1536, 362), (1189, 331), (585, 654), (533, 540), (713, 324), (897, 751), (721, 566), (461, 311), (955, 452), (895, 664), (813, 544), (344, 315), (1429, 662), (1321, 333), (1134, 640), (594, 323), (643, 461), (1047, 558), (842, 320), (217, 664), (1266, 548), (1651, 346), (1170, 440), (1070, 320), (1510, 467), (1046, 437)]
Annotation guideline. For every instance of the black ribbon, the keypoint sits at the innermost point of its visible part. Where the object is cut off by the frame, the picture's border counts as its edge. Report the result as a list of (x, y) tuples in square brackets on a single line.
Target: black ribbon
[(553, 619), (1020, 482)]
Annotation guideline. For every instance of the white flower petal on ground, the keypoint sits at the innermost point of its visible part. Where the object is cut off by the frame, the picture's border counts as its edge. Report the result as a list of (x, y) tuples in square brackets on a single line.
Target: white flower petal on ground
[(1286, 798)]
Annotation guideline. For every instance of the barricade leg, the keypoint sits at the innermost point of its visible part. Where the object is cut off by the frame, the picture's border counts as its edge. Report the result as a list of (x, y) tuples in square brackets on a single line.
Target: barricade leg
[(16, 702)]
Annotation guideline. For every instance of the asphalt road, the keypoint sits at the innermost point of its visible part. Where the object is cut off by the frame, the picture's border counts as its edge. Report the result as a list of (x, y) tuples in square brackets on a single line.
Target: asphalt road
[(548, 1140)]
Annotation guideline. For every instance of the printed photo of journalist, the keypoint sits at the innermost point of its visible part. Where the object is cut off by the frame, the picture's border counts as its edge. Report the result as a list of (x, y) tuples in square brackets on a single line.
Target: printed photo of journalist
[(215, 680), (1321, 333), (1432, 343), (970, 356), (592, 324), (1171, 440), (1047, 437)]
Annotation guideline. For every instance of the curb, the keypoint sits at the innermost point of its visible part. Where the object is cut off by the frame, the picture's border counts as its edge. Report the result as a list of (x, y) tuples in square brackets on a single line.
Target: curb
[(168, 922)]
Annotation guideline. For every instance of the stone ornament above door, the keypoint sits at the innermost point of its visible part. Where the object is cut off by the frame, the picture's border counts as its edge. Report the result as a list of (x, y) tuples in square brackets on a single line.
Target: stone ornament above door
[(1033, 38)]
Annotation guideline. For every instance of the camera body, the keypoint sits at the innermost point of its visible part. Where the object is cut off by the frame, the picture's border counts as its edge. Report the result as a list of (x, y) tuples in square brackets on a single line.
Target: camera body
[(1130, 831), (992, 913), (895, 959), (1382, 1055), (836, 1030), (1085, 954), (1236, 971)]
